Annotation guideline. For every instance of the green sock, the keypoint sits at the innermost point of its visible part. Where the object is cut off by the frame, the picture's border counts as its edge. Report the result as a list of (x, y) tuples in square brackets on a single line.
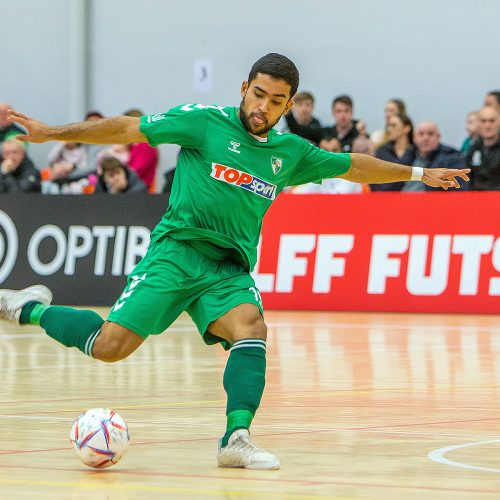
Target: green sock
[(244, 380), (71, 327)]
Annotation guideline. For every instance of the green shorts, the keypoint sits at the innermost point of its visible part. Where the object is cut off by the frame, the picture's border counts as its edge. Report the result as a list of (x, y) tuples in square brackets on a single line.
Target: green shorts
[(174, 277)]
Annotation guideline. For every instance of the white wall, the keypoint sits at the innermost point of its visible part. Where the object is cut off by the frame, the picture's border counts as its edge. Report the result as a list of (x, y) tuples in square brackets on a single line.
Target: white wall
[(440, 56)]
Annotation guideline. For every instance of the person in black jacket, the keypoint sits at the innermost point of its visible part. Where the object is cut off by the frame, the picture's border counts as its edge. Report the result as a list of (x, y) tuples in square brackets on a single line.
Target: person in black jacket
[(117, 178), (340, 137), (17, 172), (300, 120), (399, 149), (483, 157), (430, 153)]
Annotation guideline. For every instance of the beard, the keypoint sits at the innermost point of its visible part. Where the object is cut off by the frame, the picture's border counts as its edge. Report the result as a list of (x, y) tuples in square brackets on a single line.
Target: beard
[(245, 120)]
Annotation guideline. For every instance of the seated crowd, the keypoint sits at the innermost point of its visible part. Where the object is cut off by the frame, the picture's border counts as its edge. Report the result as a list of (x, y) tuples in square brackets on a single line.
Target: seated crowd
[(74, 168), (85, 168)]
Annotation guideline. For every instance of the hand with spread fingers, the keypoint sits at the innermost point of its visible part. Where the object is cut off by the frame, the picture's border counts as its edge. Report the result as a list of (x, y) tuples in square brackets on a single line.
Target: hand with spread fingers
[(37, 131), (444, 177)]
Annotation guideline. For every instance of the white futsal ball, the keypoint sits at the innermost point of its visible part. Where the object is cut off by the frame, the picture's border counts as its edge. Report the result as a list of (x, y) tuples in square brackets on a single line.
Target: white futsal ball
[(99, 437)]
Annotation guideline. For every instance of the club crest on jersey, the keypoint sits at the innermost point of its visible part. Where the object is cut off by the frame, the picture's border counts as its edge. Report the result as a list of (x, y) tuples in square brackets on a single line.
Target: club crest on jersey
[(243, 180), (276, 163)]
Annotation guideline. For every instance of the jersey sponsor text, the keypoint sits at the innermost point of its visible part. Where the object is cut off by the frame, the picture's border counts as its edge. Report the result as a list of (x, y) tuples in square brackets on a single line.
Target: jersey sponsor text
[(243, 180)]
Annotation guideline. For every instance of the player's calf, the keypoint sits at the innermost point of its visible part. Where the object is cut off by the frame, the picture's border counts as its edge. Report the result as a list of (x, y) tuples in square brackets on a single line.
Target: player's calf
[(115, 342)]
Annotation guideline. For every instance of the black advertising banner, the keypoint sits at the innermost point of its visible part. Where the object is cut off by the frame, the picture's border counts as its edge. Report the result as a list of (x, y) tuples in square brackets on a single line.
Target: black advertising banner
[(81, 247)]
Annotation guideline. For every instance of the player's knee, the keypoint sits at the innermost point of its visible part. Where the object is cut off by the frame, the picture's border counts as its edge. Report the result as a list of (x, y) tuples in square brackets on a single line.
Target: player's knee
[(257, 329)]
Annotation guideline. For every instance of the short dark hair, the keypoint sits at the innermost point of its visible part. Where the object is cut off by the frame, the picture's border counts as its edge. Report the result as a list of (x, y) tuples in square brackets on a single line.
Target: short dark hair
[(278, 67), (495, 94), (135, 112), (111, 164), (344, 99), (304, 96), (93, 114)]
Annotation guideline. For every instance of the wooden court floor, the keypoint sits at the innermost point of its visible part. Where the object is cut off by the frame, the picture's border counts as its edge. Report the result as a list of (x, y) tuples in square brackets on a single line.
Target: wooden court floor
[(365, 406)]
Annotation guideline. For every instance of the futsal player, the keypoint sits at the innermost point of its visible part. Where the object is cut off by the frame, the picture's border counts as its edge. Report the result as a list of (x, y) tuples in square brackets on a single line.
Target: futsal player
[(232, 166)]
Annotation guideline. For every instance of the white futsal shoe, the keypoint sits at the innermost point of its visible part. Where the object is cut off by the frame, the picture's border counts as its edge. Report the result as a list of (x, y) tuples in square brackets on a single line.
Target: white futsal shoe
[(242, 452), (12, 301)]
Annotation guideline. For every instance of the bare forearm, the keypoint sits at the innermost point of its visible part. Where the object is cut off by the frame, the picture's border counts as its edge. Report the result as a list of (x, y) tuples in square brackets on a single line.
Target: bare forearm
[(114, 130), (369, 170)]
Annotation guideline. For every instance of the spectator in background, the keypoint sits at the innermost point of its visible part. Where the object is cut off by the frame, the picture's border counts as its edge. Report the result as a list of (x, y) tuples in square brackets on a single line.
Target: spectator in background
[(92, 150), (483, 157), (362, 144), (143, 158), (340, 137), (93, 115), (17, 172), (492, 99), (300, 119), (329, 186), (430, 153), (68, 162), (8, 130), (117, 178), (392, 107), (472, 128), (399, 149), (119, 151)]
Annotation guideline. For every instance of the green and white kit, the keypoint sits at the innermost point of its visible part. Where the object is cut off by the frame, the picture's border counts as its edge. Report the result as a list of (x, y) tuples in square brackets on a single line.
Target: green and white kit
[(205, 246)]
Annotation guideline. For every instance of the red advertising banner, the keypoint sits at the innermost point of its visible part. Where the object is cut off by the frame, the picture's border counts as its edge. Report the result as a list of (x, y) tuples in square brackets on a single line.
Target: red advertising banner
[(404, 252)]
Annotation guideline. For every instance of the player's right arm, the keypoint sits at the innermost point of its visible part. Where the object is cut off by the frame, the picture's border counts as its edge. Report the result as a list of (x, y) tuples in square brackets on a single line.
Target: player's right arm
[(114, 130)]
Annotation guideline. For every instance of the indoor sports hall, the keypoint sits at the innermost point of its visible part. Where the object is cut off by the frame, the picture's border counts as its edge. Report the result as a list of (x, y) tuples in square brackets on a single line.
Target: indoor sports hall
[(381, 304)]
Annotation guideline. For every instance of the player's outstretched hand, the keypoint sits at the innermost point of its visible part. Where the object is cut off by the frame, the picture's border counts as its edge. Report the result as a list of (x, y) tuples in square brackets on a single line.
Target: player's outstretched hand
[(444, 177), (36, 131)]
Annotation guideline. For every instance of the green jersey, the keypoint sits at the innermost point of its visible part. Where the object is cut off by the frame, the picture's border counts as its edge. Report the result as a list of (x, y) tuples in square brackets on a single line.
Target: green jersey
[(226, 178)]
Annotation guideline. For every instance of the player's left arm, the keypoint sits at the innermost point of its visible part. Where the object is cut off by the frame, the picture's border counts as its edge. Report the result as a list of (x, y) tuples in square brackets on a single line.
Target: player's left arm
[(366, 169)]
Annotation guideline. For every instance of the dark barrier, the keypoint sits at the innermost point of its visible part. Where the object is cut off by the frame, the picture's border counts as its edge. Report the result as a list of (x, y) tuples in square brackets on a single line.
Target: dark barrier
[(81, 247), (432, 252)]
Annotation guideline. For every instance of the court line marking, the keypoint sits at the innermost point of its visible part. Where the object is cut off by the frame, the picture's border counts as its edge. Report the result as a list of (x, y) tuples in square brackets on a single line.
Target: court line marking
[(254, 494), (438, 455), (134, 487)]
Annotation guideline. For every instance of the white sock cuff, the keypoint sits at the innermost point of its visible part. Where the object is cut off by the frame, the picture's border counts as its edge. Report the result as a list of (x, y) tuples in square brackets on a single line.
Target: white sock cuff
[(239, 344), (89, 345)]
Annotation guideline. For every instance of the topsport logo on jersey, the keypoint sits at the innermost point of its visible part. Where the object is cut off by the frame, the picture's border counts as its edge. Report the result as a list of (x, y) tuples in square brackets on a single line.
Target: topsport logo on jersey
[(9, 244), (243, 180)]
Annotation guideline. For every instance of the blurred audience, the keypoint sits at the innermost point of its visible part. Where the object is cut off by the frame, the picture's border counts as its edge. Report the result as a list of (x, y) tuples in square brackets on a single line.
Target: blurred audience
[(300, 119), (398, 149), (340, 137), (363, 144), (92, 150), (8, 130), (17, 172), (93, 115), (119, 151), (483, 157), (430, 153), (392, 107), (143, 158), (68, 162), (329, 186), (117, 178), (472, 128), (492, 99)]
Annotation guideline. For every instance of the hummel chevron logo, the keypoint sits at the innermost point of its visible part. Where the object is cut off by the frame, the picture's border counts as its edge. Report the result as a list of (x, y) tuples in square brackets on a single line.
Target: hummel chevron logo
[(234, 147)]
